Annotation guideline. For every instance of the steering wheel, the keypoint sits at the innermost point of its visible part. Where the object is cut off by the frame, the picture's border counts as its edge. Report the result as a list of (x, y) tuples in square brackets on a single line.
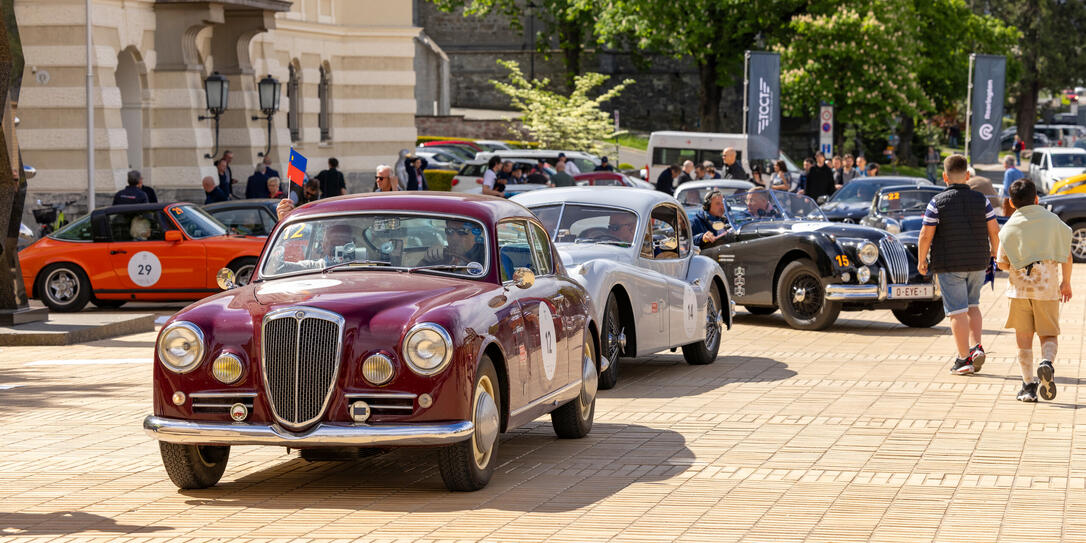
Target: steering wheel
[(598, 234)]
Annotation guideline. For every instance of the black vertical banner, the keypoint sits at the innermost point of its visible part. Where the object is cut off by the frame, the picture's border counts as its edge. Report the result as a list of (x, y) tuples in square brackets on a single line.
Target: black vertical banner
[(763, 105), (989, 74)]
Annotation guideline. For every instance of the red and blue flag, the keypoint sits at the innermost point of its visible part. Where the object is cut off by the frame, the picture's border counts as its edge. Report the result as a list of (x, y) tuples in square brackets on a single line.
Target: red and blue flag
[(296, 168)]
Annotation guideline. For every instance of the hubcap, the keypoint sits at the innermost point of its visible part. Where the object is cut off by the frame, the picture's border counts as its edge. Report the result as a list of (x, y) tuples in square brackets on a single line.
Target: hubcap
[(1078, 243), (486, 422), (714, 320), (62, 286), (245, 273), (798, 295), (806, 296), (589, 382), (616, 338)]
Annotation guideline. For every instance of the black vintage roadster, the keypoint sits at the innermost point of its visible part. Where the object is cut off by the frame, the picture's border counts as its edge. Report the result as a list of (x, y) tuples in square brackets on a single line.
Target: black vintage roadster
[(779, 251)]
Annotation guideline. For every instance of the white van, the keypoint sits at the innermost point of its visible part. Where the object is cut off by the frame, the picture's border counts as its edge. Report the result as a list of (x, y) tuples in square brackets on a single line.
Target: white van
[(668, 147)]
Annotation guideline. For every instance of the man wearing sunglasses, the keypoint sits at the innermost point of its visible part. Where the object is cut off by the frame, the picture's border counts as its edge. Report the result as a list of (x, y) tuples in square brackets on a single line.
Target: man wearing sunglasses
[(622, 226), (462, 246)]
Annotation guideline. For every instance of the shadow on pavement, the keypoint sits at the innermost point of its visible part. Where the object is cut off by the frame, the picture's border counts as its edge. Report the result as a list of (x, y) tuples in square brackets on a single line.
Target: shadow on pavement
[(851, 322), (669, 376), (66, 522), (536, 472), (21, 390)]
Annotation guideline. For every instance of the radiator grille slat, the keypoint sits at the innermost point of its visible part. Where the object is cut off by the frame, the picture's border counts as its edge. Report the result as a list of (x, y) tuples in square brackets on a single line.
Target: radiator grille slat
[(301, 361), (895, 258)]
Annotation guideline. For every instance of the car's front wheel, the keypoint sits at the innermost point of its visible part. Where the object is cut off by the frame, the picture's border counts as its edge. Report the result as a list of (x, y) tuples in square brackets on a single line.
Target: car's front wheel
[(574, 419), (467, 466), (64, 287), (802, 297), (612, 341), (243, 269), (705, 351), (194, 466), (921, 314), (1078, 241)]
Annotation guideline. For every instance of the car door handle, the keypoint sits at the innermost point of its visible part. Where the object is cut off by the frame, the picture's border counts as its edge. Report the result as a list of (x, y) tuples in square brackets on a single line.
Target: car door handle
[(118, 252), (695, 283)]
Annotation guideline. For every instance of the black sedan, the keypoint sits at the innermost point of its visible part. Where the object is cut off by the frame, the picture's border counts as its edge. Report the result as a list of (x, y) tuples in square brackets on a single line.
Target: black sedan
[(851, 203), (254, 217), (1072, 209), (779, 251), (898, 208)]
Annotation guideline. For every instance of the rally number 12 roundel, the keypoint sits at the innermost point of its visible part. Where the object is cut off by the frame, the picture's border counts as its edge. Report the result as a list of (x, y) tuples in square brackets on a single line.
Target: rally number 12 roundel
[(548, 346), (144, 269)]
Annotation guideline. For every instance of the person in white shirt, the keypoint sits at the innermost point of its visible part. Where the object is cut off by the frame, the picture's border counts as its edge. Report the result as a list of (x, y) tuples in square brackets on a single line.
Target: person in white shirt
[(491, 185), (571, 167)]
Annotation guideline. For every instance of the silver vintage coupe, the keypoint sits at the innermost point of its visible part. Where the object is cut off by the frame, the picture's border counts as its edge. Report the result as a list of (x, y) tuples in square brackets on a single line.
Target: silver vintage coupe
[(632, 250)]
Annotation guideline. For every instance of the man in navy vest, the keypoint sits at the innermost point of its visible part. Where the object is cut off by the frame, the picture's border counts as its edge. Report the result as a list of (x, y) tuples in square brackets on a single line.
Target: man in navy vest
[(961, 231)]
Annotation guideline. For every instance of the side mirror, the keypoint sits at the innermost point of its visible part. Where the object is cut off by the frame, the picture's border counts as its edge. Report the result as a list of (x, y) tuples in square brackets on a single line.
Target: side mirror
[(174, 235), (225, 278), (821, 200), (523, 278)]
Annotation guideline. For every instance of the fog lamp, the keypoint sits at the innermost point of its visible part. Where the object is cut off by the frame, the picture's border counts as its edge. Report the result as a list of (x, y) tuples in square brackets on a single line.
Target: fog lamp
[(377, 369), (178, 398), (863, 274), (425, 401), (227, 368), (846, 277)]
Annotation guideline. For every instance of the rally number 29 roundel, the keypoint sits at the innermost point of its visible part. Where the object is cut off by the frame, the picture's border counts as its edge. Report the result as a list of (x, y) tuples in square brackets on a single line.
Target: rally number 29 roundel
[(144, 269)]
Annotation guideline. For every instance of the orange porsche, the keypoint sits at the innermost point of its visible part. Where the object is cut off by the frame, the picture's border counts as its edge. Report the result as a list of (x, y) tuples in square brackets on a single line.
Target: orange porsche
[(145, 252)]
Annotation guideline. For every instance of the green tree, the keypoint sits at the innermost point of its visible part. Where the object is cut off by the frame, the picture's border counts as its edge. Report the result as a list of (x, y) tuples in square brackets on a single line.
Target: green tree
[(1051, 52), (714, 34), (568, 22), (573, 122)]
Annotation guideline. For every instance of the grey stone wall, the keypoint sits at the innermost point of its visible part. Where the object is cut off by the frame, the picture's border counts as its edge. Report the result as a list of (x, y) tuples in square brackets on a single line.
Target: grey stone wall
[(458, 126)]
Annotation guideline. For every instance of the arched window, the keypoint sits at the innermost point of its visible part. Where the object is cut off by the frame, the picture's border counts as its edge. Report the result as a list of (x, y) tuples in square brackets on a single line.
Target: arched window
[(294, 102), (324, 94)]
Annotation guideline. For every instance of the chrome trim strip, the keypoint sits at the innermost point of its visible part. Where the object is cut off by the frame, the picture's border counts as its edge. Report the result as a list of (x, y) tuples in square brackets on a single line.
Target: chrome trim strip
[(397, 407), (547, 398), (218, 405), (216, 395), (382, 395), (309, 312), (332, 435)]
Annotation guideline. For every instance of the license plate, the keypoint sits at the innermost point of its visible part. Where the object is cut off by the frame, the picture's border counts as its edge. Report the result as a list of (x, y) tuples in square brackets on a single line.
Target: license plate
[(912, 291)]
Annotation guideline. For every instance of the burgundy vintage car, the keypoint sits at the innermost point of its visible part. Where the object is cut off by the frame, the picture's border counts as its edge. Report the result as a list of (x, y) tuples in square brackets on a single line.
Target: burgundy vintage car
[(380, 321)]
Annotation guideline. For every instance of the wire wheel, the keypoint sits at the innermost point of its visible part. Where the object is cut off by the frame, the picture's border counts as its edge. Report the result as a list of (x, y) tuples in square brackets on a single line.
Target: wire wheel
[(806, 296), (1078, 242)]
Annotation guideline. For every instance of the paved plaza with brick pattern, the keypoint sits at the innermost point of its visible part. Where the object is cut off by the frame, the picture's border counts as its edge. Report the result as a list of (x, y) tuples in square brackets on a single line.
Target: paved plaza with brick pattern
[(858, 433)]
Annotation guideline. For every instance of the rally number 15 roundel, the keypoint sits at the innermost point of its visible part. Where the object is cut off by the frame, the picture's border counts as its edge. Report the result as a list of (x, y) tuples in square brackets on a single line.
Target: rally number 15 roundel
[(144, 269)]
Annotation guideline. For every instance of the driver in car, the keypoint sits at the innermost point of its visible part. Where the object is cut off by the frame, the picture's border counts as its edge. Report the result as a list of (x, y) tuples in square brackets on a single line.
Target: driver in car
[(463, 246), (621, 226), (759, 205), (709, 224)]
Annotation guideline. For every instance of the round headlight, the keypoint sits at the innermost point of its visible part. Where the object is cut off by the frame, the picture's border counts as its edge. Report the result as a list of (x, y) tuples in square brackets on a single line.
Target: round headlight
[(868, 253), (863, 274), (227, 368), (427, 348), (181, 347), (377, 369)]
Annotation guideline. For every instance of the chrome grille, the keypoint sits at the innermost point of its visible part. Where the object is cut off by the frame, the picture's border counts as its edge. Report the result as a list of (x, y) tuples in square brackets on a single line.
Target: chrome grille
[(300, 359), (896, 259)]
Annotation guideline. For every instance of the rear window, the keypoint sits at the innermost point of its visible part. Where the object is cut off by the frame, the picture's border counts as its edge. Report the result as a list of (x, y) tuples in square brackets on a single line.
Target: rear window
[(473, 170)]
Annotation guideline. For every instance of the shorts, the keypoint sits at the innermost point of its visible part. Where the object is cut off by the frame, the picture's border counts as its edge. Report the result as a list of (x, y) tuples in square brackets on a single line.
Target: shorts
[(961, 290), (1035, 316)]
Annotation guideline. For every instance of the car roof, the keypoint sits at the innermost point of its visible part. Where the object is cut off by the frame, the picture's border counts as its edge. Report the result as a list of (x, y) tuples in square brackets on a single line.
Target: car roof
[(725, 183), (1057, 150), (532, 153), (904, 180), (134, 207), (629, 197), (925, 188), (487, 209)]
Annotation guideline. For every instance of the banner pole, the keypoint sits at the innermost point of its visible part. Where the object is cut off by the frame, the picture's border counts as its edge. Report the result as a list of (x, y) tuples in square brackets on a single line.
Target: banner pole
[(746, 92), (969, 110)]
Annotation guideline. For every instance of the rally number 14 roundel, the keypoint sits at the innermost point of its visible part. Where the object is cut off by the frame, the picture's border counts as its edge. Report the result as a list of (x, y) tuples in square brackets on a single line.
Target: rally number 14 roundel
[(144, 269)]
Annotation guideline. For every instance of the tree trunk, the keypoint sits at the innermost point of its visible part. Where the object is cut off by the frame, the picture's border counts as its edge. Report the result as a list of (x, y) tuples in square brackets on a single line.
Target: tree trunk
[(570, 40), (709, 97), (1027, 110), (905, 150)]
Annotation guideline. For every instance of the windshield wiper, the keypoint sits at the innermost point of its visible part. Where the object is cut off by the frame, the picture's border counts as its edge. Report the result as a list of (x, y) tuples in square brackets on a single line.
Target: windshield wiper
[(473, 268), (355, 263)]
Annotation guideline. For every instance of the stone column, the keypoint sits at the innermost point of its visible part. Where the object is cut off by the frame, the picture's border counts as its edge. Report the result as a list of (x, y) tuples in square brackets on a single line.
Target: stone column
[(13, 301)]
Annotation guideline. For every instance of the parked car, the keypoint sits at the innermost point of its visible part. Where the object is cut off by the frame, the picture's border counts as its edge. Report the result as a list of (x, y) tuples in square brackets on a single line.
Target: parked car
[(853, 201), (610, 179), (380, 321), (440, 160), (251, 217), (632, 250), (26, 237), (1071, 208), (1076, 184), (143, 252), (465, 145), (470, 176), (460, 153), (1058, 135), (1006, 142), (1050, 165), (492, 145), (692, 193), (779, 251), (899, 208)]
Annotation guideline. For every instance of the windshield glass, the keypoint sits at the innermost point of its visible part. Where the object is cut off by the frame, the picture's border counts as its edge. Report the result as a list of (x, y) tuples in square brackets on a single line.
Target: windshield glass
[(761, 204), (904, 201), (196, 222), (589, 224), (391, 240), (864, 191), (1069, 160), (77, 231), (694, 196)]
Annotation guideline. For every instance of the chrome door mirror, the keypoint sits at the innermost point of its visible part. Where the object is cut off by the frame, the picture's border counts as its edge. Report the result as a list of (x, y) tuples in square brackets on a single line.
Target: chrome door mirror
[(523, 278), (226, 280)]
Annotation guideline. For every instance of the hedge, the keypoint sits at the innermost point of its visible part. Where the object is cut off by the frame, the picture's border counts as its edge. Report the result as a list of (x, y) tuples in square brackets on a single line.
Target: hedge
[(513, 143), (439, 179)]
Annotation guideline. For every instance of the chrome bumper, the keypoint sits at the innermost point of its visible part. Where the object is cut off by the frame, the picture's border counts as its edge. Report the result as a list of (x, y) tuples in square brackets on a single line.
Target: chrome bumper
[(323, 435), (869, 292)]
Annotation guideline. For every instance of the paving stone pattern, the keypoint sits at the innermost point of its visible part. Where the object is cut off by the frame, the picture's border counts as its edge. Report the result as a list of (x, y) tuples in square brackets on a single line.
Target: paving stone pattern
[(855, 434)]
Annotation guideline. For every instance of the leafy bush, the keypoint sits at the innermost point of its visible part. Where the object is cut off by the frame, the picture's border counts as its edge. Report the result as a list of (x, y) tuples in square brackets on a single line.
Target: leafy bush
[(439, 179), (626, 166)]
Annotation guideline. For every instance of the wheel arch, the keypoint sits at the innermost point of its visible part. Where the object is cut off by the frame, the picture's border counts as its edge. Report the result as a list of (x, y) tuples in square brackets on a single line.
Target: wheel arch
[(594, 335), (626, 315), (725, 298), (788, 258), (494, 352), (41, 273)]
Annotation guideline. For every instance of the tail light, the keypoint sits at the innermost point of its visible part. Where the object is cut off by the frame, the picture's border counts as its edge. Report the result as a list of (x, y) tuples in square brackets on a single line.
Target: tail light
[(455, 182), (479, 181)]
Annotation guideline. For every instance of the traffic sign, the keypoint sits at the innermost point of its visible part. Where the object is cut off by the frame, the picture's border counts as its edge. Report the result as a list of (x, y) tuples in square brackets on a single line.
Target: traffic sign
[(825, 139)]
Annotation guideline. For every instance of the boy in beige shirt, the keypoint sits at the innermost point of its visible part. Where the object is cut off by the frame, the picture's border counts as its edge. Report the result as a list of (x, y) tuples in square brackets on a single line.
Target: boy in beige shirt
[(1035, 249)]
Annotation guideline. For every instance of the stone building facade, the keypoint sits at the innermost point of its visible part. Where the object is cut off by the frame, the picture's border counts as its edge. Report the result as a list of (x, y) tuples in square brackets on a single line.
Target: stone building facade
[(350, 89)]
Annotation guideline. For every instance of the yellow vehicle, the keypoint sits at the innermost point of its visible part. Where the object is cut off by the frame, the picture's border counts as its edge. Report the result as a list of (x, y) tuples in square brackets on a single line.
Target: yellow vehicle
[(1076, 184)]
